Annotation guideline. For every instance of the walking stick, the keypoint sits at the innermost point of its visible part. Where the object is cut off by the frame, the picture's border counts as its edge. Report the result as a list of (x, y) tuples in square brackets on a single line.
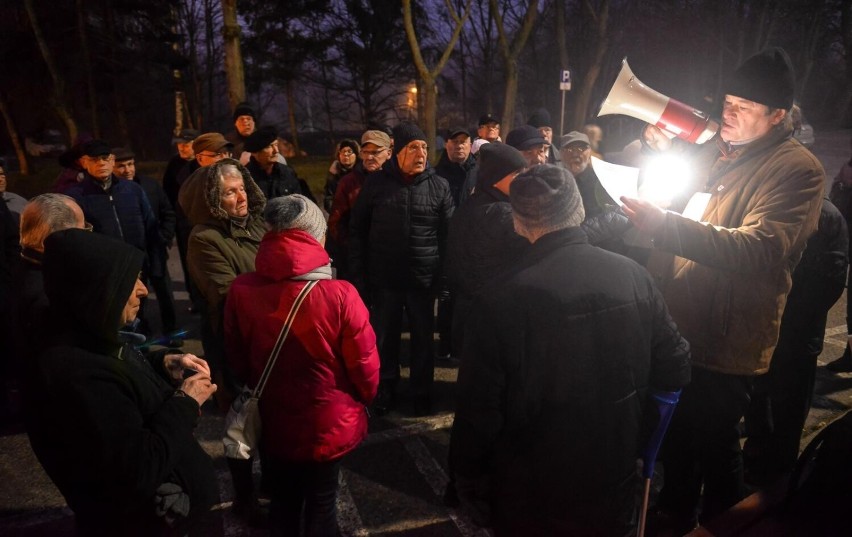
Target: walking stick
[(666, 403)]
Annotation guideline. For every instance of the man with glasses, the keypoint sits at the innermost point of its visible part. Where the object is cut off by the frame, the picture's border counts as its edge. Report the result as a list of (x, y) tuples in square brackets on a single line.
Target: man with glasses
[(115, 207), (540, 119), (399, 230), (375, 151)]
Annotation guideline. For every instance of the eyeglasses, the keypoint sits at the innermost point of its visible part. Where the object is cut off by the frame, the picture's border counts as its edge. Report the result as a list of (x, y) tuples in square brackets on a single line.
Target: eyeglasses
[(575, 149), (220, 154), (87, 226), (413, 148), (371, 154), (347, 153)]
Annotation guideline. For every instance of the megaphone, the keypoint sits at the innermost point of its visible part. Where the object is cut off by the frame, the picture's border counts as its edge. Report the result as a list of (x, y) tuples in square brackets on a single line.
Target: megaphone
[(629, 96)]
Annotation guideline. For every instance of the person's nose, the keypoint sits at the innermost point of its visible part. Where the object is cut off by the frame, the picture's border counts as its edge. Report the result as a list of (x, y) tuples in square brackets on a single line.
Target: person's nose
[(142, 291), (241, 196)]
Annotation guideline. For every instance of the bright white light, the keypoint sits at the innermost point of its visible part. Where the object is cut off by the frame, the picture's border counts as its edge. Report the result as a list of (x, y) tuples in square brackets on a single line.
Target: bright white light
[(663, 178)]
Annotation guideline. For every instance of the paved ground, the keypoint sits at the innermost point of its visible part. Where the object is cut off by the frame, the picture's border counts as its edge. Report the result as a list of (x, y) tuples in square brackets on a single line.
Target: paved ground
[(392, 484)]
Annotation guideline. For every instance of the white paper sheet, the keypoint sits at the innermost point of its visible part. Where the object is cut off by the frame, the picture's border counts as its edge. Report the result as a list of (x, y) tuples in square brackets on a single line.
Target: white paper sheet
[(617, 180), (694, 209)]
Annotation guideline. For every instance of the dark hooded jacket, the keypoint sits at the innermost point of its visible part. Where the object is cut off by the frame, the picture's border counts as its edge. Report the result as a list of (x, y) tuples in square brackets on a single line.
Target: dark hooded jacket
[(398, 229), (219, 249), (108, 428), (283, 180), (550, 403)]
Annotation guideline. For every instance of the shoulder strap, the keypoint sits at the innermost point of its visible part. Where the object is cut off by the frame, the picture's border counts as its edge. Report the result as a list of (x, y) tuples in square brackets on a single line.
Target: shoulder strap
[(276, 349)]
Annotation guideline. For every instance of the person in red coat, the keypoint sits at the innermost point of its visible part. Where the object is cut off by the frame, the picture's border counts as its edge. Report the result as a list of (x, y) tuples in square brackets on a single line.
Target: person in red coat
[(313, 408)]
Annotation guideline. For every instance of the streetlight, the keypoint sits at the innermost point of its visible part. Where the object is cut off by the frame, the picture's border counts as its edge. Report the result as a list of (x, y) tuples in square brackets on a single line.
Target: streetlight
[(412, 100)]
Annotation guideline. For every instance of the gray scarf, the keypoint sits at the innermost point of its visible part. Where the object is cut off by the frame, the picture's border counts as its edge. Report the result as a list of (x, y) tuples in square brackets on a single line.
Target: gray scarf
[(319, 273)]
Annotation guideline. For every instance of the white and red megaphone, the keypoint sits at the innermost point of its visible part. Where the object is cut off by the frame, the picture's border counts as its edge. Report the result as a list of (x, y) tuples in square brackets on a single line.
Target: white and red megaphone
[(629, 96)]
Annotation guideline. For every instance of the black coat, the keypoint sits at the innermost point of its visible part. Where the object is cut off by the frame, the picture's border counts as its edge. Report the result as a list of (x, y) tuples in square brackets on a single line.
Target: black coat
[(558, 360), (281, 182), (173, 177), (398, 230), (455, 174), (166, 221), (107, 426)]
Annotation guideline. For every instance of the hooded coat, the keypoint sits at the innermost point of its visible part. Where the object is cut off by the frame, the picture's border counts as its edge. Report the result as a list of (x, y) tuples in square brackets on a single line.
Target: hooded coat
[(218, 249), (313, 406), (726, 278), (550, 404), (108, 427)]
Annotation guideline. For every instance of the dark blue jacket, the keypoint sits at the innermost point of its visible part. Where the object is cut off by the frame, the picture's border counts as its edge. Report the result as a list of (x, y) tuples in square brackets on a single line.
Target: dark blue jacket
[(123, 211)]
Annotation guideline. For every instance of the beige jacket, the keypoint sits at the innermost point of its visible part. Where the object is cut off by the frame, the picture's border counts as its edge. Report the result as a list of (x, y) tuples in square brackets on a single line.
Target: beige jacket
[(726, 284)]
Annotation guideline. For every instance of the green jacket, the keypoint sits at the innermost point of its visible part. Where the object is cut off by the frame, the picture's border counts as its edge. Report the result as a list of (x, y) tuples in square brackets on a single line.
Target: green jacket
[(726, 284), (219, 249)]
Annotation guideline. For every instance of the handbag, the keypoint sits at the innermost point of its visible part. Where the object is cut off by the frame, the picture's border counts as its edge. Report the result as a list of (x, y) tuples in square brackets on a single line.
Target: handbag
[(242, 423)]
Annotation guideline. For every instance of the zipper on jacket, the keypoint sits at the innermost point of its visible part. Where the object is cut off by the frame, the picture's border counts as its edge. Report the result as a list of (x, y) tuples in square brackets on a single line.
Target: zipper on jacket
[(115, 214)]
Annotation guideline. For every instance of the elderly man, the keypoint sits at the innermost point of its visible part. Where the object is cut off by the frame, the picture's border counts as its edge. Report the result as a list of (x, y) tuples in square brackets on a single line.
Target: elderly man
[(244, 125), (375, 151), (482, 242), (185, 155), (273, 178), (550, 408), (726, 276), (540, 119), (112, 429), (529, 141), (398, 234), (456, 162), (125, 168), (489, 128), (116, 207)]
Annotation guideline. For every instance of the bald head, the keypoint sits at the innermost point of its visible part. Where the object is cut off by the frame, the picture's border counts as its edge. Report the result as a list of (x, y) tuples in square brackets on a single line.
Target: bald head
[(45, 214)]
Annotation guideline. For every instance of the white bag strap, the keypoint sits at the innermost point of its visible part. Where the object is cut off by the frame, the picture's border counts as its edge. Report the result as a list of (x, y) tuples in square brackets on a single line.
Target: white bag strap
[(276, 349)]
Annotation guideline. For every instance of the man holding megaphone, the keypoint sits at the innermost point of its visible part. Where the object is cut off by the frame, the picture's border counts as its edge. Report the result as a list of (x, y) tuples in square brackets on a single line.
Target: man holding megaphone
[(725, 276)]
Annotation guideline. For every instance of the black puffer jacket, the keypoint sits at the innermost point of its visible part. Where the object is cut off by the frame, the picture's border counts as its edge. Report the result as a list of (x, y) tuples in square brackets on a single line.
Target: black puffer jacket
[(455, 174), (398, 230)]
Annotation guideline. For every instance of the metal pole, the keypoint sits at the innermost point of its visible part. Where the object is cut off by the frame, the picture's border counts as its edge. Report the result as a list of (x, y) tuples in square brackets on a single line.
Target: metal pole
[(562, 119)]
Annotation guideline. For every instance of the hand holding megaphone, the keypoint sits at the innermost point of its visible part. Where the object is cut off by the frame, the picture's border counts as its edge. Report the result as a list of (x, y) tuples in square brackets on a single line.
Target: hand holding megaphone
[(629, 96)]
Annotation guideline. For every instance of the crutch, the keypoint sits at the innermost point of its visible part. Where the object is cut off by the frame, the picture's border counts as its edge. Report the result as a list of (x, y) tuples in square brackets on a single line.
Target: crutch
[(666, 403)]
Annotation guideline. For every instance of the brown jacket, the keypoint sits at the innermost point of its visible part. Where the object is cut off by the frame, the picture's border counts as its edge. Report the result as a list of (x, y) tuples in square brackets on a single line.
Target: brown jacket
[(726, 284)]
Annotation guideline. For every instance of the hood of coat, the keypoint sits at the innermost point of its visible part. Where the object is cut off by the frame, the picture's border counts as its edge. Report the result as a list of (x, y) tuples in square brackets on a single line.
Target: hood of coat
[(289, 253), (88, 278), (199, 194)]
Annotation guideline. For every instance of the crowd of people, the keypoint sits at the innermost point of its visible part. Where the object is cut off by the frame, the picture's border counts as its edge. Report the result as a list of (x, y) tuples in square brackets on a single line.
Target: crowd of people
[(565, 308)]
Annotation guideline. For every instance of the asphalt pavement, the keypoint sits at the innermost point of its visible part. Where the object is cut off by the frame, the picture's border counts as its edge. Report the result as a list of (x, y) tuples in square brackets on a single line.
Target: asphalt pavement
[(394, 482)]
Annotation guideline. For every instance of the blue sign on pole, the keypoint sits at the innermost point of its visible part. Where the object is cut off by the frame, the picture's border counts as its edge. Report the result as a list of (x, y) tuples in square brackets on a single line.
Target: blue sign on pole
[(565, 80)]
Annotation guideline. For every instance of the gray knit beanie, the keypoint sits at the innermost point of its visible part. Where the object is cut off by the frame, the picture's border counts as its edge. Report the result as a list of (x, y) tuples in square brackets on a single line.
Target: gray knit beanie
[(295, 212), (546, 197)]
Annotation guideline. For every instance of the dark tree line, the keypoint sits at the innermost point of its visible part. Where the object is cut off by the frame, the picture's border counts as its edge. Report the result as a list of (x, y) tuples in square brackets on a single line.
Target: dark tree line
[(134, 71)]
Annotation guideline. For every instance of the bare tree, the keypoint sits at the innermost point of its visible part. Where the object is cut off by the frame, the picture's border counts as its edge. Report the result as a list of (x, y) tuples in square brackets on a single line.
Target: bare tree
[(428, 76), (234, 70), (599, 16), (86, 55), (511, 52), (12, 131), (60, 102)]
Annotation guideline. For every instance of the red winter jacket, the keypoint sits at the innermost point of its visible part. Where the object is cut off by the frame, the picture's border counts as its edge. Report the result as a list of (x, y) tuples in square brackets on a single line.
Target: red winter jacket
[(313, 407)]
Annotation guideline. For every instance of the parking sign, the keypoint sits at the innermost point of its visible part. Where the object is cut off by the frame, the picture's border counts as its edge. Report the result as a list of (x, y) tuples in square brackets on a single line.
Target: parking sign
[(565, 80)]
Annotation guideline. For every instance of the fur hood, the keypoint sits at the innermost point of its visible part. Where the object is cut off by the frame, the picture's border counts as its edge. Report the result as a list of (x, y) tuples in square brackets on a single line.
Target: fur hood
[(199, 195)]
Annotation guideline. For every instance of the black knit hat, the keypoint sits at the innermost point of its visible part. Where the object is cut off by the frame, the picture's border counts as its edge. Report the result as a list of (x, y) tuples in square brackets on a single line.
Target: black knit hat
[(546, 197), (496, 161), (96, 148), (525, 137), (244, 109), (766, 78), (404, 134), (540, 118), (260, 139)]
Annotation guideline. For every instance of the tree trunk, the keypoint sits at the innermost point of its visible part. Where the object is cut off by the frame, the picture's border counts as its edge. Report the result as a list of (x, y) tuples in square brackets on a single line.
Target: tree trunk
[(117, 93), (12, 130), (563, 55), (429, 113), (86, 55), (584, 95), (234, 71), (60, 102), (291, 115), (510, 53)]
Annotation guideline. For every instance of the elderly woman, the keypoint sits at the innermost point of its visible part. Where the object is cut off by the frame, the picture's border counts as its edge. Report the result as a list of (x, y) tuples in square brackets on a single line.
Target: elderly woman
[(114, 430), (313, 408), (345, 158)]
